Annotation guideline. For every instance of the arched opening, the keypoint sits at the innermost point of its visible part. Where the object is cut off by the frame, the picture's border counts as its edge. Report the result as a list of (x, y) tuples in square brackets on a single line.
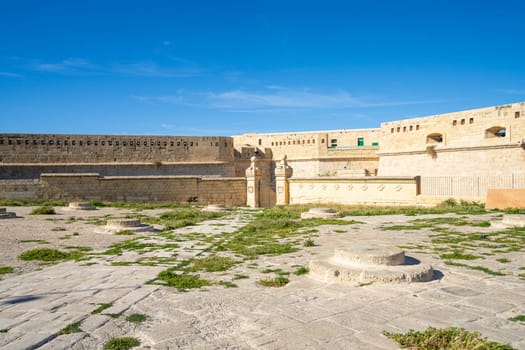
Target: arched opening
[(434, 138), (495, 131)]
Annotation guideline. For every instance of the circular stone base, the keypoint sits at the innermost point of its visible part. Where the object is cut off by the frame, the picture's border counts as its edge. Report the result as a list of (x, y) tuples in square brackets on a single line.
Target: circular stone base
[(323, 213), (509, 220), (327, 271), (216, 208), (116, 225), (371, 256), (80, 206), (4, 214)]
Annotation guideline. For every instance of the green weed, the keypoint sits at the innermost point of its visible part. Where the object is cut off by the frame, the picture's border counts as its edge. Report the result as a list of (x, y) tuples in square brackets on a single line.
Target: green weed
[(45, 210), (6, 269), (124, 343), (71, 328), (50, 255), (279, 281), (136, 318), (445, 339)]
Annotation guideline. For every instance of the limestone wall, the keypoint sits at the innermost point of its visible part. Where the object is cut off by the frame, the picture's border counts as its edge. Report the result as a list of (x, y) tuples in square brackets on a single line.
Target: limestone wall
[(483, 141), (49, 148), (365, 190), (33, 171), (230, 191)]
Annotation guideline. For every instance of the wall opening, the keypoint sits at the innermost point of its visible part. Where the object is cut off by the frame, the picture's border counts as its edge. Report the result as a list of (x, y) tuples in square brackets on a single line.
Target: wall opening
[(361, 141), (495, 131), (333, 143), (516, 114), (434, 138)]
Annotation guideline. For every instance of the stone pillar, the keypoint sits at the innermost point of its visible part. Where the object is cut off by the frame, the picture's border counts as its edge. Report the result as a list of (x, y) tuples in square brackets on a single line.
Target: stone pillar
[(253, 184), (282, 173)]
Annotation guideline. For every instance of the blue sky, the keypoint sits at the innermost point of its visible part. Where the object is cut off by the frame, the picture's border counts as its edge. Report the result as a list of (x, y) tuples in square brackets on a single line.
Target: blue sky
[(231, 67)]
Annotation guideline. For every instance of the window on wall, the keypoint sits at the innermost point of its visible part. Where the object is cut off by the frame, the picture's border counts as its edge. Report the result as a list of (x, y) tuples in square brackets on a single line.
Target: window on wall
[(333, 143), (361, 141), (434, 138), (495, 131), (375, 144), (260, 142), (516, 114)]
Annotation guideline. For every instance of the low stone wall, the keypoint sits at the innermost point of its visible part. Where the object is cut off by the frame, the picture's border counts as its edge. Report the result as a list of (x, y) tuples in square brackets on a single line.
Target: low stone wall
[(229, 191), (363, 190)]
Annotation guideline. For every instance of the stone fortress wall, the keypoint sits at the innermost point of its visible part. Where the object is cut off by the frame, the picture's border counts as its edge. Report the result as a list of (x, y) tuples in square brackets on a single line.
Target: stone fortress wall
[(460, 155)]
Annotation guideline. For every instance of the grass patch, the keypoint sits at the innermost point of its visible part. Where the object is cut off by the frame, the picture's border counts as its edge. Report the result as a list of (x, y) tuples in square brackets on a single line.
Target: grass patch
[(301, 270), (45, 210), (136, 318), (183, 281), (71, 328), (518, 318), (279, 281), (503, 260), (444, 339), (50, 255), (240, 277), (213, 263), (125, 233), (101, 308), (309, 243), (478, 268), (31, 202), (227, 284), (124, 343), (57, 229), (6, 269), (460, 255)]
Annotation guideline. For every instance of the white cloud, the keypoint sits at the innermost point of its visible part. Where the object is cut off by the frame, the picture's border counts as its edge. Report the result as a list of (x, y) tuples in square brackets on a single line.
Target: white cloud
[(10, 75), (273, 98), (70, 65), (512, 91), (75, 66)]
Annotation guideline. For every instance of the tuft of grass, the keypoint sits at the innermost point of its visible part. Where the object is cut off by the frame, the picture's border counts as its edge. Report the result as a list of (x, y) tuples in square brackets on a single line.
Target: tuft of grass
[(459, 254), (182, 281), (478, 268), (450, 338), (4, 330), (136, 318), (50, 255), (6, 269), (301, 270), (279, 281), (213, 263), (101, 308), (57, 229), (124, 343), (31, 202), (309, 243), (45, 210), (518, 318), (240, 277), (503, 260), (228, 284), (71, 328), (125, 233)]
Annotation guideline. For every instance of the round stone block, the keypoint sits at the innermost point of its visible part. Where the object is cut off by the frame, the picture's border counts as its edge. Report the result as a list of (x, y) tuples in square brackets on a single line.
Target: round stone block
[(80, 206), (509, 220), (216, 208), (4, 214), (323, 213), (370, 256), (123, 223), (115, 225)]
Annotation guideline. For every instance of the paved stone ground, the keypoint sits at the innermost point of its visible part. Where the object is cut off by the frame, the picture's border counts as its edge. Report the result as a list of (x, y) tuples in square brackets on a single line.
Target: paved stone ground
[(306, 313)]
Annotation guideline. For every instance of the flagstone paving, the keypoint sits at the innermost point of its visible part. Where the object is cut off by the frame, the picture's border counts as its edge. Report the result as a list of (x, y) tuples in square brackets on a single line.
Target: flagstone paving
[(306, 313)]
